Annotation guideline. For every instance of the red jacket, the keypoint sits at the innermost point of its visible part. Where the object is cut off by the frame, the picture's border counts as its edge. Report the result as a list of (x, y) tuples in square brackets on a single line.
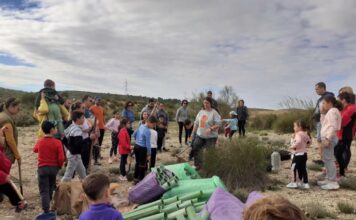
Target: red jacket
[(124, 141), (5, 166), (347, 130), (50, 152)]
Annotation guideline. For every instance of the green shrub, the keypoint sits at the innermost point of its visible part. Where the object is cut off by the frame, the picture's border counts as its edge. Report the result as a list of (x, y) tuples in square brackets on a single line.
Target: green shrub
[(239, 163), (346, 208), (262, 121), (348, 183), (316, 210), (284, 122)]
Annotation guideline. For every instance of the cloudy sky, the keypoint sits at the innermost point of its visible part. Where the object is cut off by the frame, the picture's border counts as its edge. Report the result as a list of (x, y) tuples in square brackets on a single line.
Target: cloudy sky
[(266, 49)]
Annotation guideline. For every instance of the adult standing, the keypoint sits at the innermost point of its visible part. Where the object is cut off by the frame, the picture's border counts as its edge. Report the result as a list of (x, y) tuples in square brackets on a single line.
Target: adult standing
[(7, 112), (162, 113), (88, 101), (99, 113), (242, 116), (206, 126), (347, 131), (182, 115), (49, 106), (149, 107), (320, 89), (214, 102)]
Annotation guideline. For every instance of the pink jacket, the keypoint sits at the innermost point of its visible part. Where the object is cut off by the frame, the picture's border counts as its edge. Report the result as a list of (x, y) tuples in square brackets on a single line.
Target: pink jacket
[(330, 124), (300, 142)]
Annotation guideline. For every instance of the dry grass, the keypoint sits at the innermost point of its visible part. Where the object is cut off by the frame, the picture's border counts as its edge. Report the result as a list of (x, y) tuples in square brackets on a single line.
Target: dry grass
[(316, 210), (346, 208)]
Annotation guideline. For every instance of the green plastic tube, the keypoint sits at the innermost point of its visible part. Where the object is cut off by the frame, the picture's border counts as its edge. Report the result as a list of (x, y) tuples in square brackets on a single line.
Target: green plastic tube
[(171, 208), (159, 216), (191, 196), (174, 215), (186, 204), (199, 203), (170, 200), (138, 214), (199, 208), (191, 213), (158, 202), (180, 217)]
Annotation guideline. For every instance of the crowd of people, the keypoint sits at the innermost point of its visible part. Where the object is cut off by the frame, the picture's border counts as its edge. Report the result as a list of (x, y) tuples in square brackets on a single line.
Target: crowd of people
[(71, 135)]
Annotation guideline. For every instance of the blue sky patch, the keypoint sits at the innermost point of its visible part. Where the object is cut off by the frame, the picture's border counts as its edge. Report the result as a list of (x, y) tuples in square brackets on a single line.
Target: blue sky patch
[(9, 60), (19, 4)]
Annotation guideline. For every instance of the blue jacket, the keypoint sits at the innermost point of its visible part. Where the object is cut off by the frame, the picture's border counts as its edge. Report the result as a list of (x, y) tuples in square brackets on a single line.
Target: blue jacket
[(143, 137), (129, 115)]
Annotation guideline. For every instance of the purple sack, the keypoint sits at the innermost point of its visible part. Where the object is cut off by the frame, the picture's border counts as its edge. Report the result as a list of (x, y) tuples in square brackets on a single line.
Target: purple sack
[(224, 206), (146, 190)]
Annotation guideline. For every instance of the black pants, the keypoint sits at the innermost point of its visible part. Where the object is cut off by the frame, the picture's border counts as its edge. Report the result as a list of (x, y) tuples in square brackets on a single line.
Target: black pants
[(153, 157), (160, 143), (114, 143), (85, 153), (141, 162), (300, 167), (188, 134), (123, 161), (46, 185), (199, 145), (241, 124), (11, 193), (181, 126), (96, 152), (342, 154)]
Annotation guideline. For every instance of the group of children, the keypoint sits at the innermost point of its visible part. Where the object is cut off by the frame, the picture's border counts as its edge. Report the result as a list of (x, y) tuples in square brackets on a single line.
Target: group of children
[(331, 122)]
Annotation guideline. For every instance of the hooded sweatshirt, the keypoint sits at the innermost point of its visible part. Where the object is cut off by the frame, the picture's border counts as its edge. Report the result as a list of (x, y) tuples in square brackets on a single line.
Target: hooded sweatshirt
[(300, 142), (75, 141)]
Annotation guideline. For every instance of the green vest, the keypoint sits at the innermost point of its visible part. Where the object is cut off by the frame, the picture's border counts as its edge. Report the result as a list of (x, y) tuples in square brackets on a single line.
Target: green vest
[(5, 118)]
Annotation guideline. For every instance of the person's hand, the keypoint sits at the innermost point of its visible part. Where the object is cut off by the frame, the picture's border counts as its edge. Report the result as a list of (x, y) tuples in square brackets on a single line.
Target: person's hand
[(131, 147), (148, 158), (19, 160), (56, 97), (7, 179)]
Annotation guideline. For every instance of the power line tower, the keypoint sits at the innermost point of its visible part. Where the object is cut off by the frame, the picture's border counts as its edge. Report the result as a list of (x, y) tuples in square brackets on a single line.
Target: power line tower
[(126, 88)]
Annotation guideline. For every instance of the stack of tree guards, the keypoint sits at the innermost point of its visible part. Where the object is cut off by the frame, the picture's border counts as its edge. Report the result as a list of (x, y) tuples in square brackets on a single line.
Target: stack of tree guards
[(177, 207)]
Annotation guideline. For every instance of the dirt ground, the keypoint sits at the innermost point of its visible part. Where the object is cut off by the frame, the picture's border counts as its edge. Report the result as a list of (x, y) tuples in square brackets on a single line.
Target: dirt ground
[(27, 137)]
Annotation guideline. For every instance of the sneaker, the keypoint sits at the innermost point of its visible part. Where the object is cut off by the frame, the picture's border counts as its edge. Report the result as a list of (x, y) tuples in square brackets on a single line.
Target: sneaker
[(292, 185), (21, 206), (332, 185), (322, 182), (122, 178), (110, 160), (304, 186)]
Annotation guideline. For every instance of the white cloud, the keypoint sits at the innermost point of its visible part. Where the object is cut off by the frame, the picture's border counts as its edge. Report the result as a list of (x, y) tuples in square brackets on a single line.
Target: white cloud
[(265, 49)]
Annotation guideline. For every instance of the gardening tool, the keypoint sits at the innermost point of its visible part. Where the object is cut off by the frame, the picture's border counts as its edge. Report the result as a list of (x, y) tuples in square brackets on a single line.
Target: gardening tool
[(16, 190), (20, 177), (91, 146)]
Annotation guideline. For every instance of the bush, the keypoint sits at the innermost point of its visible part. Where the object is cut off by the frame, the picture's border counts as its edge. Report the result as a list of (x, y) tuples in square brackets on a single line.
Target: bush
[(348, 183), (316, 210), (346, 208), (262, 121), (239, 163), (284, 122)]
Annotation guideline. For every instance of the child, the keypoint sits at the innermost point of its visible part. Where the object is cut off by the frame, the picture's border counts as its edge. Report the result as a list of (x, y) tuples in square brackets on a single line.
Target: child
[(124, 146), (74, 135), (144, 117), (231, 126), (161, 133), (6, 187), (188, 129), (299, 145), (154, 140), (50, 160), (330, 124), (142, 147), (96, 187), (113, 126)]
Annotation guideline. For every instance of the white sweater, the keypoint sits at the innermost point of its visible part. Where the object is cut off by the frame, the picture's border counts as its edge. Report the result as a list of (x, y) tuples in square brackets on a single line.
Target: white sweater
[(330, 124)]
